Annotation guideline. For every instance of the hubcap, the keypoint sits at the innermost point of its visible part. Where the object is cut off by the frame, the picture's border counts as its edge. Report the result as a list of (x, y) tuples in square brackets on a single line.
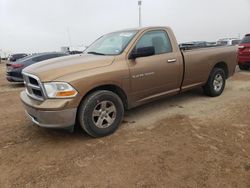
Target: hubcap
[(218, 83), (104, 114)]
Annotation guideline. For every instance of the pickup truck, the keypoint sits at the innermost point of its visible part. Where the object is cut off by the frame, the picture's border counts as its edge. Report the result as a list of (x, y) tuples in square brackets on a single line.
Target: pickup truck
[(120, 71)]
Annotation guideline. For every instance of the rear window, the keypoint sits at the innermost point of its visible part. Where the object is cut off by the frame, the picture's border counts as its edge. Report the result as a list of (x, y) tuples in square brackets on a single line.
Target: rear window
[(18, 55), (246, 39)]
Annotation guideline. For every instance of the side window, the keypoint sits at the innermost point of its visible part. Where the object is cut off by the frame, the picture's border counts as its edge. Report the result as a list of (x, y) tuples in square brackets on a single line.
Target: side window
[(158, 39)]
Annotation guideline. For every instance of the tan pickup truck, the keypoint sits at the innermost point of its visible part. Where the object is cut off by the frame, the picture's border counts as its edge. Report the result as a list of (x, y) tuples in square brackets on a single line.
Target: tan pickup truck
[(119, 71)]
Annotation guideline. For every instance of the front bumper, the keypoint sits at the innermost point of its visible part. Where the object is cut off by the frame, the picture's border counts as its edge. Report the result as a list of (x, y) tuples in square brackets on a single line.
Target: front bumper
[(55, 118)]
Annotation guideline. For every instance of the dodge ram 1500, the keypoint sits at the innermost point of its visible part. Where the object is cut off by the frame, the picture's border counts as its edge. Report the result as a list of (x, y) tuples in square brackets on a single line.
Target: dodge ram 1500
[(119, 71)]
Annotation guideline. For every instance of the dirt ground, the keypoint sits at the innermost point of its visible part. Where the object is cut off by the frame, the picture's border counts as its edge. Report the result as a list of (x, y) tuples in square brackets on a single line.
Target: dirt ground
[(188, 140)]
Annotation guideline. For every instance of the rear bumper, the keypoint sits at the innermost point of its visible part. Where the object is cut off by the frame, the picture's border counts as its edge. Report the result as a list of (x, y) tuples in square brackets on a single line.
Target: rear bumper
[(49, 118), (14, 79), (14, 76), (244, 63), (244, 59)]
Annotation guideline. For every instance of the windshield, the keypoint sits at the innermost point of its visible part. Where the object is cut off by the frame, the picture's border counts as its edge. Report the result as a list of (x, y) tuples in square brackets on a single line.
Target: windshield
[(25, 58), (111, 44)]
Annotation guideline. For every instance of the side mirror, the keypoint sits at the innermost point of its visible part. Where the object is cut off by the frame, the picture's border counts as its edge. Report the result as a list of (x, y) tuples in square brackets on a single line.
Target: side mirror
[(142, 52)]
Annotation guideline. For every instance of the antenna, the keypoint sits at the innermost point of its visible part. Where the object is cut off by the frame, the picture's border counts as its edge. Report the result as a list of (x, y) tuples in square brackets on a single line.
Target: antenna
[(139, 4), (69, 38)]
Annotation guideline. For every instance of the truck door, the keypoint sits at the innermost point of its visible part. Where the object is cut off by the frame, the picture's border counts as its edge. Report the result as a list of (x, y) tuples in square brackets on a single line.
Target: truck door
[(158, 74)]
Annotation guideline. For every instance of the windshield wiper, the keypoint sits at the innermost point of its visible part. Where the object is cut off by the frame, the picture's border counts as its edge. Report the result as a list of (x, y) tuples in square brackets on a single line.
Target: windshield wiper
[(95, 53)]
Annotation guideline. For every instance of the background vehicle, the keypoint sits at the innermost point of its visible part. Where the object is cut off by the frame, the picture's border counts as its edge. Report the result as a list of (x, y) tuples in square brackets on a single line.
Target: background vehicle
[(228, 42), (120, 70), (75, 52), (244, 53), (197, 44), (14, 69), (15, 57)]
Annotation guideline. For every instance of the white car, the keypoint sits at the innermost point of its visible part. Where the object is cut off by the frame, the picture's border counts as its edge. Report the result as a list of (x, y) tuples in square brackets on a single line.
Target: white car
[(229, 41)]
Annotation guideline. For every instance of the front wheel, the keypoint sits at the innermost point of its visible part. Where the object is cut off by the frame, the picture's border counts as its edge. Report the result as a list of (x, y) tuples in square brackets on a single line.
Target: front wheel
[(101, 113), (216, 83)]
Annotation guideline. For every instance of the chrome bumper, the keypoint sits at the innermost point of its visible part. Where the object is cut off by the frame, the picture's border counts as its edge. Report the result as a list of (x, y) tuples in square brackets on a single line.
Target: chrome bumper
[(49, 119), (52, 119)]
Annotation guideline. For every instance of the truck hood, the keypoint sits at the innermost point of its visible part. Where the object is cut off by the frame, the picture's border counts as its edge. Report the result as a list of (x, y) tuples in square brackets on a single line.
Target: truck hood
[(53, 69)]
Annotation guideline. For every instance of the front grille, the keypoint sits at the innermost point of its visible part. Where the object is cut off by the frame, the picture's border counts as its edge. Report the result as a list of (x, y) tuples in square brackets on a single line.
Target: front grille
[(33, 81), (37, 93), (34, 87)]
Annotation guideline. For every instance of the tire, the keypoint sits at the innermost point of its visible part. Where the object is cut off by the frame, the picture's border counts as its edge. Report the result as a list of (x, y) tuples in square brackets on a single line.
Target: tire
[(243, 67), (216, 83), (101, 113)]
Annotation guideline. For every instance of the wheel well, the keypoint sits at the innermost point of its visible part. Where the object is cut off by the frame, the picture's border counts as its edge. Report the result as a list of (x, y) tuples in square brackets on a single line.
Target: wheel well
[(117, 90), (223, 66)]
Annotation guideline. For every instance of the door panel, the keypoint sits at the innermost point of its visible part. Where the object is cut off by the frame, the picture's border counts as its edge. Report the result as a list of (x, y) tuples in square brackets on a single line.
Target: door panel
[(155, 75)]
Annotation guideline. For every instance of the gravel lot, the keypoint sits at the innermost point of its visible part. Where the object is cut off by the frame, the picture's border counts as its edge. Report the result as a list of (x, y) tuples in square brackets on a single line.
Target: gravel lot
[(188, 140)]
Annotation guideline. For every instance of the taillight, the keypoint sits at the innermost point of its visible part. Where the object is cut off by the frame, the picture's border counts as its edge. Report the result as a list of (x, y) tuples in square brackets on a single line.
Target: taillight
[(15, 66)]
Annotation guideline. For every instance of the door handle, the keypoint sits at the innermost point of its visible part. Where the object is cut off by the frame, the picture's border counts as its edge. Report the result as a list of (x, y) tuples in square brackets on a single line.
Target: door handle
[(171, 60)]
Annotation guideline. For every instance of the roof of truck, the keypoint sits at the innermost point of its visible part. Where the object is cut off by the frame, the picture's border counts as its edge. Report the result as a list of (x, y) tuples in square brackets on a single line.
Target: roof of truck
[(143, 28)]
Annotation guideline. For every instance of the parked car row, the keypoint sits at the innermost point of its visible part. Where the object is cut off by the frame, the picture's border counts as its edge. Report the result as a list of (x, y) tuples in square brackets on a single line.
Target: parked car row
[(202, 44), (228, 42), (196, 44)]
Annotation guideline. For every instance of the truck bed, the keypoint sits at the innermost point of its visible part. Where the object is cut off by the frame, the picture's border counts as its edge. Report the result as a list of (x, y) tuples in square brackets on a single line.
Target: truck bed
[(199, 62)]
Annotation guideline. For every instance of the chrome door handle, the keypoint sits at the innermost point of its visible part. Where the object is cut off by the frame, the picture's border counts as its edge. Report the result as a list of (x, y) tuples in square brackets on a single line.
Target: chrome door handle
[(171, 60)]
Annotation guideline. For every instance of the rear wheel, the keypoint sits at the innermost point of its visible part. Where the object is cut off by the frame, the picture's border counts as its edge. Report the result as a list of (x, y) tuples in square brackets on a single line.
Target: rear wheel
[(216, 83), (101, 113), (243, 67)]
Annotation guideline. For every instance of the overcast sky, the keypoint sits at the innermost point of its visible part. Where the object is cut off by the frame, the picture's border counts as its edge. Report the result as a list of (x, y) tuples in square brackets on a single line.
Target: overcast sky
[(46, 25)]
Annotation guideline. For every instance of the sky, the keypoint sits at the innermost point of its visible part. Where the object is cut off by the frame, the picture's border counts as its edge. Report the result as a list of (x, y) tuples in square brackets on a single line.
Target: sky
[(46, 25)]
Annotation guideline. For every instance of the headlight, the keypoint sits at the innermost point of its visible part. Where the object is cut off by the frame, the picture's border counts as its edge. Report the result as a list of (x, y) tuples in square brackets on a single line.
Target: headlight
[(59, 90)]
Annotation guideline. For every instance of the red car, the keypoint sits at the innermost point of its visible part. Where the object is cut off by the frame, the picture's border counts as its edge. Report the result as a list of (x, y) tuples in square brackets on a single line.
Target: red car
[(244, 53)]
